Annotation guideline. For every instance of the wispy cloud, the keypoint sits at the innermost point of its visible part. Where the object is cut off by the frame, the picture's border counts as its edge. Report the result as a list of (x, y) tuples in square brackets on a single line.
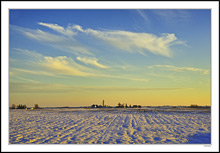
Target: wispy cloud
[(180, 69), (30, 54), (49, 66), (125, 88), (60, 42), (63, 66), (136, 42), (92, 61), (15, 71), (123, 77), (67, 66), (17, 78), (173, 15), (122, 40), (144, 16), (68, 31)]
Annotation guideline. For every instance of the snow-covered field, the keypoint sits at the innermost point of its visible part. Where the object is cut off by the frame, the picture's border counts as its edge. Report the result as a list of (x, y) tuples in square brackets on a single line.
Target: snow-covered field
[(108, 126)]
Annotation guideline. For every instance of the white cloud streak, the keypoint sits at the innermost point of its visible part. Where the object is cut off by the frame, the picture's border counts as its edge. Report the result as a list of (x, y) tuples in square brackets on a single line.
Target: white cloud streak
[(123, 40), (14, 71), (68, 31), (92, 61), (60, 42), (173, 15), (144, 16), (30, 54), (136, 42), (180, 69), (62, 66)]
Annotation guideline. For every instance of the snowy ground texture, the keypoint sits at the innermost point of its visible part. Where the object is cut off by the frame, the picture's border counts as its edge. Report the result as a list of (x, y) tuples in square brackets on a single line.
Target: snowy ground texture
[(108, 126)]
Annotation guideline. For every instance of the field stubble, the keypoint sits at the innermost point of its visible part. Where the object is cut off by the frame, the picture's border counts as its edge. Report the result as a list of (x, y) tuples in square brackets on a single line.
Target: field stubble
[(108, 126)]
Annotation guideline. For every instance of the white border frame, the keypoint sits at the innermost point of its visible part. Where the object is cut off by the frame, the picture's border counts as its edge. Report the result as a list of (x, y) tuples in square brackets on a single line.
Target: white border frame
[(5, 6)]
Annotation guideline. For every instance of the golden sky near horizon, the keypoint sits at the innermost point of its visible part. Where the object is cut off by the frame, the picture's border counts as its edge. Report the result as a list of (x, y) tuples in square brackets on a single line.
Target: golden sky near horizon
[(81, 57)]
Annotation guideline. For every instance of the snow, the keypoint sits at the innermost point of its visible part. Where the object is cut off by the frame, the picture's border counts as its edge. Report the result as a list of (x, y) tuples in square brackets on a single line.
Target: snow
[(109, 126)]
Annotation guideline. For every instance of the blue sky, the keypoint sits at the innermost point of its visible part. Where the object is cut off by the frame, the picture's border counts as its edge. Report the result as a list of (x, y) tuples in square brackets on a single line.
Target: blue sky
[(117, 55)]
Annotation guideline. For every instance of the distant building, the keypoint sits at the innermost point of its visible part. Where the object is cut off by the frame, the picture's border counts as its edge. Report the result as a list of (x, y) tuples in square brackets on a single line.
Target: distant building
[(100, 106), (94, 106)]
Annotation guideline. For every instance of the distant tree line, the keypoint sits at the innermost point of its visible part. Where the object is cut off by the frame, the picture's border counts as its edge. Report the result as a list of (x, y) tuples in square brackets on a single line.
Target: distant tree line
[(20, 106), (196, 106), (126, 106), (118, 106)]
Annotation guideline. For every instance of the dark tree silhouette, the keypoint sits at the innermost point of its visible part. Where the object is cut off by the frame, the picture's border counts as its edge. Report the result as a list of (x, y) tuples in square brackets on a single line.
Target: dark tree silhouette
[(36, 106), (13, 106), (20, 106)]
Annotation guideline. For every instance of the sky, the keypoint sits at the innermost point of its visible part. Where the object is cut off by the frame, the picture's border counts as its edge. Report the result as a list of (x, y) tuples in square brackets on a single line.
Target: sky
[(148, 57)]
